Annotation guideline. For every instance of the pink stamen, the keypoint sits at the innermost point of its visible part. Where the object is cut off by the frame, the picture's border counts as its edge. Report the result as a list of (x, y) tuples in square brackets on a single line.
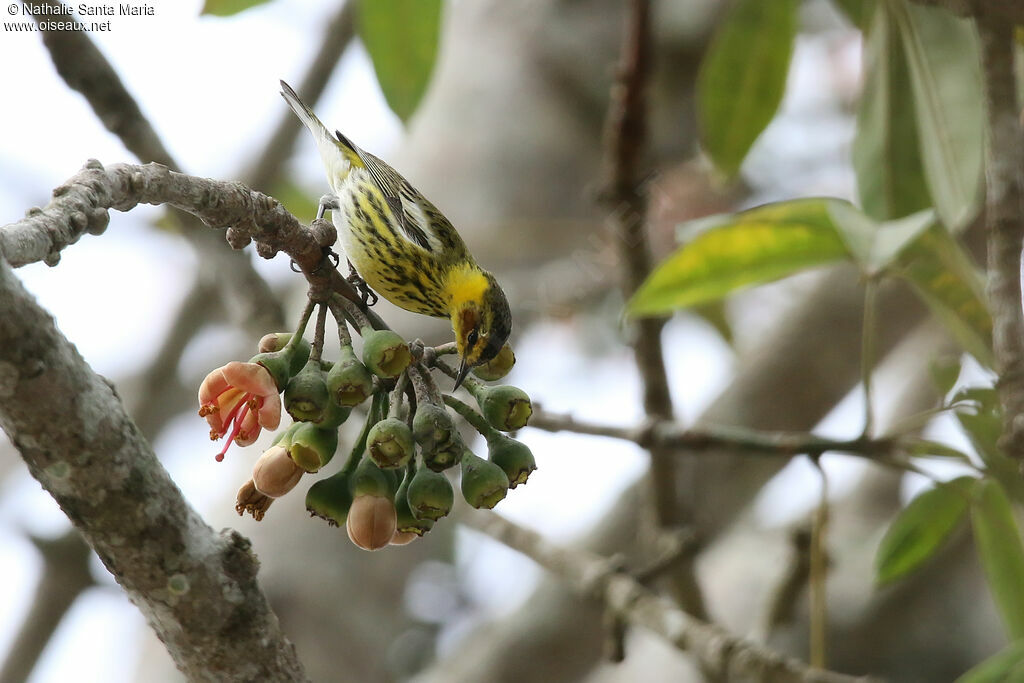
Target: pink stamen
[(234, 418)]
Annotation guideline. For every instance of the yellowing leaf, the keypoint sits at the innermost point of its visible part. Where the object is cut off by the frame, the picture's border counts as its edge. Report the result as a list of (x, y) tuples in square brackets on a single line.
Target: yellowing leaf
[(751, 247)]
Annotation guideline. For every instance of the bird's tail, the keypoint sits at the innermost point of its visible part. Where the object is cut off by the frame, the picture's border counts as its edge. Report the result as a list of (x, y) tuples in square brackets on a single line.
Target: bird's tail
[(334, 157)]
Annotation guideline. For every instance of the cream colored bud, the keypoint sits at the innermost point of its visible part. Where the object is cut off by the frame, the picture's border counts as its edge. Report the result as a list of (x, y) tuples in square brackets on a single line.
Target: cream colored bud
[(403, 538), (371, 522), (275, 474)]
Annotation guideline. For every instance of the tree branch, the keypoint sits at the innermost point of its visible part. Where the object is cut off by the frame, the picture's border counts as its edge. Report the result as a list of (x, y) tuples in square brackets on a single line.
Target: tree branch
[(625, 142), (1004, 208), (679, 440), (717, 651), (81, 205), (197, 589)]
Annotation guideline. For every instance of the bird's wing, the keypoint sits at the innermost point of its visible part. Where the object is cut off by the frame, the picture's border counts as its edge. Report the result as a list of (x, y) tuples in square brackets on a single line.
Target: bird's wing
[(420, 221)]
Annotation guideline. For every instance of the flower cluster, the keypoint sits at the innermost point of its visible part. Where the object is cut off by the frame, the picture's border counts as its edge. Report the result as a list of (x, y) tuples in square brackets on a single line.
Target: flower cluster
[(392, 487)]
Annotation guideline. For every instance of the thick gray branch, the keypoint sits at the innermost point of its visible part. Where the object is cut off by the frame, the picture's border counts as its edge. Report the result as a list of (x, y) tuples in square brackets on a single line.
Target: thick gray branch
[(197, 589)]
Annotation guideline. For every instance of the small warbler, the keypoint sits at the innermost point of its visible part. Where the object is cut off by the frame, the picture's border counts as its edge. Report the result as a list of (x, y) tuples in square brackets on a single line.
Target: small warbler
[(404, 248)]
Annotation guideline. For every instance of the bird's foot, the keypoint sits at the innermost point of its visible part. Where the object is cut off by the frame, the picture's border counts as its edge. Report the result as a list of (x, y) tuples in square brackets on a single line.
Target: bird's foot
[(328, 201), (368, 295)]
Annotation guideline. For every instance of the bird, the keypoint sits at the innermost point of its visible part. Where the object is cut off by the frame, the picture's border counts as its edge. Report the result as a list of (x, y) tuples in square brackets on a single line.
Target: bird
[(404, 248)]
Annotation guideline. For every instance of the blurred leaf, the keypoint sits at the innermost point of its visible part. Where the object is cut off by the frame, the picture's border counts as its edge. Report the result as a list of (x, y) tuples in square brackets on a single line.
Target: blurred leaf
[(713, 313), (944, 277), (926, 448), (886, 157), (921, 528), (743, 77), (747, 248), (1005, 666), (874, 245), (1001, 551), (945, 371), (401, 37), (983, 430), (986, 398), (225, 8), (942, 52), (299, 203), (857, 11)]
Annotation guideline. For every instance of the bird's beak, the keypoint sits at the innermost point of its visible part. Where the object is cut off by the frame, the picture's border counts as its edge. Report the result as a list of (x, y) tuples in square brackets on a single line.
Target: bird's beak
[(463, 371)]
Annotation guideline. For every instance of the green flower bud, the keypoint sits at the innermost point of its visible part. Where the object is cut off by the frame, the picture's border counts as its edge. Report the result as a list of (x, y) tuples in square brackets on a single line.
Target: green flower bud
[(407, 521), (331, 498), (370, 480), (385, 353), (484, 484), (513, 457), (306, 397), (349, 382), (432, 427), (274, 473), (430, 495), (371, 522), (334, 416), (390, 443), (442, 459), (497, 367), (312, 446), (505, 407)]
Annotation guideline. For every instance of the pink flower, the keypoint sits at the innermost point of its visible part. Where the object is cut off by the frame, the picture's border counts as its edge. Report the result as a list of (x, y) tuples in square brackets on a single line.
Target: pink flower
[(238, 400)]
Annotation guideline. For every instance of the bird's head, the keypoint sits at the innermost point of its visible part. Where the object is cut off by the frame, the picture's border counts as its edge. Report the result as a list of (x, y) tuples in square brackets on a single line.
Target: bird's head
[(480, 318)]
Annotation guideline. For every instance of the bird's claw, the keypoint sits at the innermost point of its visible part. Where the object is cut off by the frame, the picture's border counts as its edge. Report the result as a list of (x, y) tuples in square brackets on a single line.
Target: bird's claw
[(369, 297), (328, 201)]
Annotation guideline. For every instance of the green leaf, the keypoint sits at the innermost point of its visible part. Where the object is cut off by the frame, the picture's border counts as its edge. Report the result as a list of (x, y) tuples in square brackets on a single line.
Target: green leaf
[(1005, 666), (857, 11), (886, 157), (226, 8), (299, 203), (401, 37), (926, 448), (945, 76), (875, 246), (743, 77), (921, 528), (999, 546), (748, 248), (945, 371), (714, 314), (944, 277)]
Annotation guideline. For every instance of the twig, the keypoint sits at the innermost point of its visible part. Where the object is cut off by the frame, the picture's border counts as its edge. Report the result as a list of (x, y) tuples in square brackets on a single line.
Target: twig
[(716, 650), (679, 441), (1004, 217), (65, 576), (626, 140), (819, 575), (266, 167), (196, 588), (782, 604)]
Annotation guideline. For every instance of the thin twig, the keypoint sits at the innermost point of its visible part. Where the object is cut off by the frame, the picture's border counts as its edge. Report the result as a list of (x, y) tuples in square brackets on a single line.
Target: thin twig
[(626, 141), (819, 575), (678, 440), (1004, 217), (718, 652)]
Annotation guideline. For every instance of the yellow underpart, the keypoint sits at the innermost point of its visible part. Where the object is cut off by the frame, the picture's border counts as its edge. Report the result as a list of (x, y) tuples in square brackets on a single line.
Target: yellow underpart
[(465, 283)]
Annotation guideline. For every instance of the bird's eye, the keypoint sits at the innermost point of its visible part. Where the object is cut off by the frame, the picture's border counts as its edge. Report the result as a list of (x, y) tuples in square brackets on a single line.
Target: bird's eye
[(472, 338)]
